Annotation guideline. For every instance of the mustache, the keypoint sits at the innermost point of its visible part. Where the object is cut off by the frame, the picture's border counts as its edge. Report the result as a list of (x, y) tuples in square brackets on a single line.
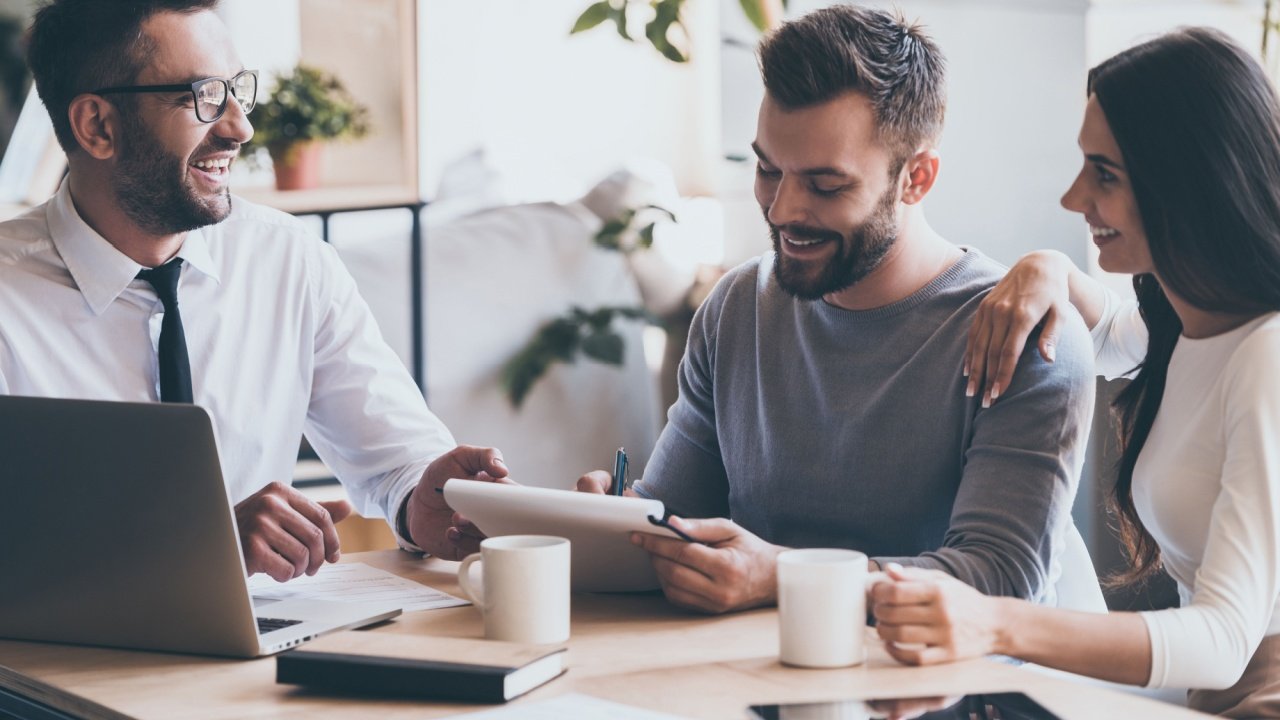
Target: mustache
[(804, 232), (217, 144)]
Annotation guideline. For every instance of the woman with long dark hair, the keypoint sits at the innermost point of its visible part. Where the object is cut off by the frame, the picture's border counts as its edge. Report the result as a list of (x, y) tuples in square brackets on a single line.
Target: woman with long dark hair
[(1180, 188)]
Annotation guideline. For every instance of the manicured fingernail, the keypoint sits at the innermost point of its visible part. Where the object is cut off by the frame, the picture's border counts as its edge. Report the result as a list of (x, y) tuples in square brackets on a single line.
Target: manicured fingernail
[(995, 391), (986, 400), (971, 388), (965, 369), (1050, 352)]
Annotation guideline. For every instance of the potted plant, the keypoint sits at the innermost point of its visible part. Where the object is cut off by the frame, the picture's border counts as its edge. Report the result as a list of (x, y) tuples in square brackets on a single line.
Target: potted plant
[(307, 107)]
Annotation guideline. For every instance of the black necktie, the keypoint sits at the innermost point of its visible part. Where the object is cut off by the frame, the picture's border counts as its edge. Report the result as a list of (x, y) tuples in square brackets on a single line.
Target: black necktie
[(175, 367)]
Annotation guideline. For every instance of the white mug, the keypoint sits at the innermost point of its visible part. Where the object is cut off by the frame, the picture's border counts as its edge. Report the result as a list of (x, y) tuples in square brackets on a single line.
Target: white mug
[(822, 607), (524, 588)]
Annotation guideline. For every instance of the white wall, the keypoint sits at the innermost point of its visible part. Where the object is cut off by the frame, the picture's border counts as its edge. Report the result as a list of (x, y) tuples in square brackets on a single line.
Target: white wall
[(557, 112), (267, 34)]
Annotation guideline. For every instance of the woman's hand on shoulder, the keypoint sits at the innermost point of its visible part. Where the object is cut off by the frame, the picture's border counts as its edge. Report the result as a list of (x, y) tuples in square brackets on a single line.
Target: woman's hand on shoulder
[(1035, 289)]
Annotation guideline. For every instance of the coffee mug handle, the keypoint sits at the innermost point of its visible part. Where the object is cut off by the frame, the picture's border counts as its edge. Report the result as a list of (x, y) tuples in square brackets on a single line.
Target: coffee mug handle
[(875, 577), (473, 593)]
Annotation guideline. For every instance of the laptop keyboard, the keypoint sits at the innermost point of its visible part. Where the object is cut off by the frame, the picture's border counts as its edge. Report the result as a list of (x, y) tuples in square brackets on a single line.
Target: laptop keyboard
[(266, 625)]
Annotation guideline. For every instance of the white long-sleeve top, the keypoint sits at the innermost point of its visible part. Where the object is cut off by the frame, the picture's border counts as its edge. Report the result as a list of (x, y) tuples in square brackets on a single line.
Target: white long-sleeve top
[(280, 344), (1207, 487)]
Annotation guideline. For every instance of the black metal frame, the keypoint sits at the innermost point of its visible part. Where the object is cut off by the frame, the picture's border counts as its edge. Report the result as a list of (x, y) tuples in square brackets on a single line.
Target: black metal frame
[(194, 89), (417, 281)]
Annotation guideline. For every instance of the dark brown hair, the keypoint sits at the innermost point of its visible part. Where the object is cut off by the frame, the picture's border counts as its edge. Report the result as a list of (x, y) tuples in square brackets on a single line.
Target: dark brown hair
[(845, 48), (76, 46), (1198, 125)]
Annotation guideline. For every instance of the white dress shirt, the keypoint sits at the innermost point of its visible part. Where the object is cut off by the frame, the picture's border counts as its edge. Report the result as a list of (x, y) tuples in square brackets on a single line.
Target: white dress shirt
[(1207, 487), (280, 343)]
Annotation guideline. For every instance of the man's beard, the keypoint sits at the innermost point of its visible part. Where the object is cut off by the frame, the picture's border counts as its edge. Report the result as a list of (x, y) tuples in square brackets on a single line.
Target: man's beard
[(857, 254), (154, 189)]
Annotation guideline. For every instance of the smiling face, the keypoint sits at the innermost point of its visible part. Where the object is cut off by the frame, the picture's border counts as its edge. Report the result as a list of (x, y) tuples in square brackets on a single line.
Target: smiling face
[(171, 172), (823, 184), (1103, 193)]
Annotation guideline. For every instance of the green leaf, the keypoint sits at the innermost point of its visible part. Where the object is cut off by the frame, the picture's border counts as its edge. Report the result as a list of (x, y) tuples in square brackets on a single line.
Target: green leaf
[(560, 338), (666, 14), (663, 210), (606, 346), (646, 236), (619, 15), (670, 52), (592, 16), (754, 10), (523, 370), (600, 318)]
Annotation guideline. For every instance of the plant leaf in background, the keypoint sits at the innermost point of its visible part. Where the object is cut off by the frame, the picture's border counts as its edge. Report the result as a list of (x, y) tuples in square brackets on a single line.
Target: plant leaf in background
[(605, 346), (593, 16), (753, 11), (666, 13), (619, 14), (586, 332), (763, 14), (561, 339), (616, 232)]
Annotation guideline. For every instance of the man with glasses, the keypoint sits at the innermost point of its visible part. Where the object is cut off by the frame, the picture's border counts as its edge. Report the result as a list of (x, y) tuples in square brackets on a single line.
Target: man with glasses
[(144, 279)]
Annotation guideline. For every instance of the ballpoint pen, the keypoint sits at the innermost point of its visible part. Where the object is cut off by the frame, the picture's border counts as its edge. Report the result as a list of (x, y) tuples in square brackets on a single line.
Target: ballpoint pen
[(619, 471)]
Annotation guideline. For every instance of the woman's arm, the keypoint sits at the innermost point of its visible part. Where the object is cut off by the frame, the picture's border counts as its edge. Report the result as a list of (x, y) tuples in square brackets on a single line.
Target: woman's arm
[(938, 619), (1041, 286)]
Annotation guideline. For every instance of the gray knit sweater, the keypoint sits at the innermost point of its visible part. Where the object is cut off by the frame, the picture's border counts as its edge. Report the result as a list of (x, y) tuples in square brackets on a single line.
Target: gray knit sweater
[(814, 426)]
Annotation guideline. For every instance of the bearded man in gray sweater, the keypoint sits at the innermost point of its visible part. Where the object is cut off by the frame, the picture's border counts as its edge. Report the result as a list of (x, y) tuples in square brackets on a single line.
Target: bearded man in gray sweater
[(822, 399)]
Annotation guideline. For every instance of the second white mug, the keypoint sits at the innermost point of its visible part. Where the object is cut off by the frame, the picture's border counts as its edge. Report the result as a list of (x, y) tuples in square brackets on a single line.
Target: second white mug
[(822, 607), (524, 587)]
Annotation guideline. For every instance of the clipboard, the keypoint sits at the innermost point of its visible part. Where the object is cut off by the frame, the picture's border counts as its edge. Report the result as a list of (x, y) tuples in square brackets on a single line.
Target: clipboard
[(598, 527)]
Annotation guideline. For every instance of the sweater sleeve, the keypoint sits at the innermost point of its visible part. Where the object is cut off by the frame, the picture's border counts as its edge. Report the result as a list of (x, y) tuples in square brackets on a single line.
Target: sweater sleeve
[(1019, 478), (1208, 642), (686, 471), (1119, 338)]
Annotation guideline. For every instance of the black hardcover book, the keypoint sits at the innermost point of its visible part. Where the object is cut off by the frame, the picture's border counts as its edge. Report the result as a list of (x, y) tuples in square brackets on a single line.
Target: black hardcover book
[(434, 668)]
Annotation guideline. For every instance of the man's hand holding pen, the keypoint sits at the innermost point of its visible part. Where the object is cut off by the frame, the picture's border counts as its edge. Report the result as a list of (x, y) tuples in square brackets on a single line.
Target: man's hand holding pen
[(727, 568)]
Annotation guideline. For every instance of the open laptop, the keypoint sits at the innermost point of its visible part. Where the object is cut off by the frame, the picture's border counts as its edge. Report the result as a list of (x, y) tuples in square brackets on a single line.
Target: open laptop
[(116, 529)]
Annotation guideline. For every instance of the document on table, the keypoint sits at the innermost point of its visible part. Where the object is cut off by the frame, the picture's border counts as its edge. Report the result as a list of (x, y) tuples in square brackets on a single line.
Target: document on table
[(354, 582), (570, 705)]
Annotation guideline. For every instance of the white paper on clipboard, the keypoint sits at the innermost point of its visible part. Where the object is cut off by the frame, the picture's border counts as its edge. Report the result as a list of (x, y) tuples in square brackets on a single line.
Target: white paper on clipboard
[(599, 527)]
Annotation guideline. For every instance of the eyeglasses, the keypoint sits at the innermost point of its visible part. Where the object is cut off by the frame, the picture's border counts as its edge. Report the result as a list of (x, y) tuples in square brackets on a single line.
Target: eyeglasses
[(210, 94)]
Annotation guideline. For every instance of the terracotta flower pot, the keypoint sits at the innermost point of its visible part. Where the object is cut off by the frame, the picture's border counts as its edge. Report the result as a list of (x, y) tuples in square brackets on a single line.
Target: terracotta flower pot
[(298, 166)]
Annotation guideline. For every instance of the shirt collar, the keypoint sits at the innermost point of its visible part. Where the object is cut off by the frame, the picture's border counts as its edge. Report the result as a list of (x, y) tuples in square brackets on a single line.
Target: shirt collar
[(100, 271)]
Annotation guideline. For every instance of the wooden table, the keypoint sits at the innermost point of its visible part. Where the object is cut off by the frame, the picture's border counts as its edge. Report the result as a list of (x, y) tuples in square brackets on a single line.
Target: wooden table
[(633, 649)]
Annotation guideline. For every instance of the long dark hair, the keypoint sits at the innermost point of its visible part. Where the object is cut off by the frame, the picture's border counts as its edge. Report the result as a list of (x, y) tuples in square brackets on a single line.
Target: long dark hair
[(1198, 124)]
